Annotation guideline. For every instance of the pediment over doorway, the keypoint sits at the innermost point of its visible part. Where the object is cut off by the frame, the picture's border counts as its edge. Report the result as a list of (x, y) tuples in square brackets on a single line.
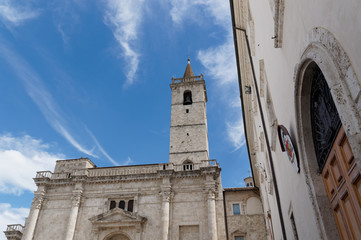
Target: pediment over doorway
[(117, 224), (118, 217)]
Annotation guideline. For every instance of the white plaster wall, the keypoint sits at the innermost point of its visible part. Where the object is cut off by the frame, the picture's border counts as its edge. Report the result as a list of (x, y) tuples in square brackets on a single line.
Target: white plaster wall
[(342, 18)]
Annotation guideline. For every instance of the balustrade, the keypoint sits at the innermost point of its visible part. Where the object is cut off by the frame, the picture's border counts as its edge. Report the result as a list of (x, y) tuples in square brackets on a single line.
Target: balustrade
[(43, 174), (125, 170), (15, 228), (187, 79)]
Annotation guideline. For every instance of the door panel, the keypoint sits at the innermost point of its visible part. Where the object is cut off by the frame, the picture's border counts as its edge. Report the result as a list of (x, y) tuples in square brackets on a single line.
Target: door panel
[(343, 184)]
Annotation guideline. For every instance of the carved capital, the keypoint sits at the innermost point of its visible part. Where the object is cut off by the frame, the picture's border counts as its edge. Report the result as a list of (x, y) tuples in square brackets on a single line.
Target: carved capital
[(38, 199), (76, 199), (212, 194), (167, 196)]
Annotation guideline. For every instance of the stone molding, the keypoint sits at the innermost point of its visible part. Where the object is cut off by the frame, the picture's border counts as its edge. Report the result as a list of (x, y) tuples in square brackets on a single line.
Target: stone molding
[(205, 170), (278, 26), (323, 49)]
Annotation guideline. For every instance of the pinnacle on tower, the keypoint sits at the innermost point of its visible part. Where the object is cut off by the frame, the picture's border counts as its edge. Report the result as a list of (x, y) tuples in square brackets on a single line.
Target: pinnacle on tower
[(188, 72)]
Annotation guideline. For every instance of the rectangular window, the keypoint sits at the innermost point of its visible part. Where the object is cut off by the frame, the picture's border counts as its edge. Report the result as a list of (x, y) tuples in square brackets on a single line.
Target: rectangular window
[(236, 210), (238, 238)]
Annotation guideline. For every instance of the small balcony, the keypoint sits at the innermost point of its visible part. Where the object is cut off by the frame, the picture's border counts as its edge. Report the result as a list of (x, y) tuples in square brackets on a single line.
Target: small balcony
[(14, 231)]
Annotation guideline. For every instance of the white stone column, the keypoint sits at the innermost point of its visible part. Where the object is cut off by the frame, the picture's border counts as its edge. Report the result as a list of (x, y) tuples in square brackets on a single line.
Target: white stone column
[(165, 215), (212, 221), (73, 215), (33, 215)]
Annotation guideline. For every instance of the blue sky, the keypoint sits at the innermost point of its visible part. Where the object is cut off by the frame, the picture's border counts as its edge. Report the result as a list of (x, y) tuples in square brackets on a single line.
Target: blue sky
[(91, 78)]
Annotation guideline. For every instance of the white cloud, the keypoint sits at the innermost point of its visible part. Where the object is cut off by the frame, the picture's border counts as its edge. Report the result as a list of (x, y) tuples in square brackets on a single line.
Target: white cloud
[(43, 99), (10, 215), (124, 17), (47, 105), (235, 132), (65, 133), (63, 35), (16, 13), (101, 148), (20, 158), (220, 62), (129, 161), (185, 10)]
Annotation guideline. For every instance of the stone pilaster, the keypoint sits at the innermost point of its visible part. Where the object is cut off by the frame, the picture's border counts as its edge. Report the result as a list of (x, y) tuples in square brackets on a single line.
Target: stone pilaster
[(76, 200), (166, 195), (212, 221), (166, 198), (34, 214)]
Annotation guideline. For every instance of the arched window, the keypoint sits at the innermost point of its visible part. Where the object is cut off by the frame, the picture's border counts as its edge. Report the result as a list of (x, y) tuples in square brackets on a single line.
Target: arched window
[(324, 117), (187, 97), (187, 165)]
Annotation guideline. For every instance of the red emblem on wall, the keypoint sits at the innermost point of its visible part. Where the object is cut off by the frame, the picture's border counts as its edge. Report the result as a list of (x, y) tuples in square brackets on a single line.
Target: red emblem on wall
[(287, 146)]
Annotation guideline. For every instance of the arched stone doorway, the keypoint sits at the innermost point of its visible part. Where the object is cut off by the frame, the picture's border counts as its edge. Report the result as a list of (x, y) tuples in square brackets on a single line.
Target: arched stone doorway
[(330, 153), (117, 236)]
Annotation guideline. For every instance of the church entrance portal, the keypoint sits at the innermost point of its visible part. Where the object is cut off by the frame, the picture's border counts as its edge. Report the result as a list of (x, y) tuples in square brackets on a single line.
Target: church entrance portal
[(335, 160), (118, 237)]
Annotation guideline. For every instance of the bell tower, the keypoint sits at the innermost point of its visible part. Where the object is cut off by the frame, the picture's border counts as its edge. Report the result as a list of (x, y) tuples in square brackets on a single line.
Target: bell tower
[(188, 128)]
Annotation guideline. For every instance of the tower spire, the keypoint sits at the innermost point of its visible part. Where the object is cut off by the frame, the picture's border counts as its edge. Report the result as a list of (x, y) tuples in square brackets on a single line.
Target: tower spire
[(188, 72)]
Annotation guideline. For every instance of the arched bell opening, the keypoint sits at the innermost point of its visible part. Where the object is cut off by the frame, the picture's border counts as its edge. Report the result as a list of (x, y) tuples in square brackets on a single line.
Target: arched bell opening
[(187, 97)]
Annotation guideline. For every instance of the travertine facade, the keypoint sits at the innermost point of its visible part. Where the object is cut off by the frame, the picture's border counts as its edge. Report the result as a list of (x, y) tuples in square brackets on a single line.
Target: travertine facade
[(77, 202), (182, 199)]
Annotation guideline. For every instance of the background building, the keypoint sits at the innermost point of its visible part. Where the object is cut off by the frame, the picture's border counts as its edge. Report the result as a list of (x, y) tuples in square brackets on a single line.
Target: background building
[(300, 86), (182, 199)]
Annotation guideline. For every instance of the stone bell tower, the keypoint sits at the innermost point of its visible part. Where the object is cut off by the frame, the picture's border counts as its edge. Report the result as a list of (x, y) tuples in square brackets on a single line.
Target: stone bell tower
[(188, 129)]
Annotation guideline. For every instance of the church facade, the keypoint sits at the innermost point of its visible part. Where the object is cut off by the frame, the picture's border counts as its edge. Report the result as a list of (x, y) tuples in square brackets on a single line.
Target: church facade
[(182, 199), (299, 76)]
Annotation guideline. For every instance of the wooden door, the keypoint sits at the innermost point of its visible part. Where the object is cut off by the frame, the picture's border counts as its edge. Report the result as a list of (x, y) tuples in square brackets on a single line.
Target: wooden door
[(343, 184)]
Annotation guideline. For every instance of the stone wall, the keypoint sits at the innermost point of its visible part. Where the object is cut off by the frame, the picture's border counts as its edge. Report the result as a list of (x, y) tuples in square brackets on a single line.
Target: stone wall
[(188, 131), (250, 223), (188, 193)]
